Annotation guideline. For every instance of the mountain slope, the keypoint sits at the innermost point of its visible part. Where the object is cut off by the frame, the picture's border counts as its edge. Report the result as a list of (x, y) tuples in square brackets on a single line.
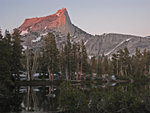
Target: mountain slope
[(60, 24), (110, 43)]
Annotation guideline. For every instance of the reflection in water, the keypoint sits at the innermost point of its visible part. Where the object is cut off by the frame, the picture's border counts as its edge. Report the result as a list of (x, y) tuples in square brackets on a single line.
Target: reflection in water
[(38, 98), (30, 101), (47, 98), (51, 92)]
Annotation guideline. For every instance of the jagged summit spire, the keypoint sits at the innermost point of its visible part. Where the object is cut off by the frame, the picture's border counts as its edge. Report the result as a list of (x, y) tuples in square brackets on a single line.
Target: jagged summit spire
[(60, 21), (61, 10)]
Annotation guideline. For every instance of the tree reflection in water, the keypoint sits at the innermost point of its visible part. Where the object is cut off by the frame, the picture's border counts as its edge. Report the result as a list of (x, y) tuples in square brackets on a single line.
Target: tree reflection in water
[(103, 98), (30, 101)]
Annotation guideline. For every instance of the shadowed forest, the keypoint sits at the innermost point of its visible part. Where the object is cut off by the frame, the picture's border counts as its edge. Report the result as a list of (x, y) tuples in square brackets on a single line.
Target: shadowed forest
[(71, 69)]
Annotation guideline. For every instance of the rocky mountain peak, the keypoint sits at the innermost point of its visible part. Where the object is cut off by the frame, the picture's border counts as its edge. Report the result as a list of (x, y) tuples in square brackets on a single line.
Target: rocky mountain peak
[(63, 10), (59, 21), (60, 24)]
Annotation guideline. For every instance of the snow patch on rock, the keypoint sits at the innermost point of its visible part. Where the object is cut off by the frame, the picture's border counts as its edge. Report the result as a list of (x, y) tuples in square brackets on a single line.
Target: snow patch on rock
[(43, 34), (118, 46), (24, 32), (90, 56), (24, 47), (45, 27), (37, 39), (86, 42)]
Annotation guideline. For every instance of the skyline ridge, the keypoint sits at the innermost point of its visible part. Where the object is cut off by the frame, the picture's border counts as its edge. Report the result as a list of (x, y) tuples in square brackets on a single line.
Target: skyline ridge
[(63, 9), (95, 17)]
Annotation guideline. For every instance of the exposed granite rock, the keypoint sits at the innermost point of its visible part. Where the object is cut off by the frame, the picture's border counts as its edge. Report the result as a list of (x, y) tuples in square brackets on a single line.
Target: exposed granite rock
[(60, 24)]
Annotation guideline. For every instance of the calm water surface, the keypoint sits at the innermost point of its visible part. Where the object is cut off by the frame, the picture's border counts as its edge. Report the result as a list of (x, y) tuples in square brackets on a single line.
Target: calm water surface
[(46, 99)]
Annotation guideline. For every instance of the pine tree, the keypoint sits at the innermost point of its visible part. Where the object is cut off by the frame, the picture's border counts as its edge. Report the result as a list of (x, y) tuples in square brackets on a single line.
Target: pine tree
[(74, 60), (52, 55), (93, 64), (148, 61), (78, 54), (68, 57), (99, 66), (84, 66), (8, 45), (69, 54), (43, 61), (121, 62), (62, 62), (137, 66), (115, 64), (127, 62), (1, 36), (16, 54), (5, 59), (105, 65), (144, 62)]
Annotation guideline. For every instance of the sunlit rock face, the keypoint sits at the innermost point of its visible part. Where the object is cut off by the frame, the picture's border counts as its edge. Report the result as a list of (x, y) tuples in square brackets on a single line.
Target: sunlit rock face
[(60, 25), (59, 21)]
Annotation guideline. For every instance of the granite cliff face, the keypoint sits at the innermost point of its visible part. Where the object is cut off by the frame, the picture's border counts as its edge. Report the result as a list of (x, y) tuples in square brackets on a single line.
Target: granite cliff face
[(60, 24), (59, 21), (110, 43)]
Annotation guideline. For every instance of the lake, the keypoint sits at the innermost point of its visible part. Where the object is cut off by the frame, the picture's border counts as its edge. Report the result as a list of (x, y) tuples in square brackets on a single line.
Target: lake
[(78, 98)]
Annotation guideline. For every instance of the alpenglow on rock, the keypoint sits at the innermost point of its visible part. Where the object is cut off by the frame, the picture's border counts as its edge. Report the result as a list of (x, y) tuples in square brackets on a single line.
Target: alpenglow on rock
[(59, 21), (60, 24)]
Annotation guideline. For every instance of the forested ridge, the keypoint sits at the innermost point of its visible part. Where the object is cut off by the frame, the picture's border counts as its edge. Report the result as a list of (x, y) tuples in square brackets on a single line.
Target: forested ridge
[(71, 62)]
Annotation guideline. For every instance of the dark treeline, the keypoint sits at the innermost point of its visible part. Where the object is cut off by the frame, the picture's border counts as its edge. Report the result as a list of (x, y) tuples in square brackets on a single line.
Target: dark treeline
[(71, 62), (10, 68), (10, 57), (135, 67), (122, 99)]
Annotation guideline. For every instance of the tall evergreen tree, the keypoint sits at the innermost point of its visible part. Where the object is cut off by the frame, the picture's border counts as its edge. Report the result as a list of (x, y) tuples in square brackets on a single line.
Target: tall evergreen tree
[(105, 65), (84, 65), (62, 62), (5, 58), (115, 64), (74, 60), (99, 66), (148, 61), (52, 55), (121, 61), (1, 36), (137, 65), (127, 62), (68, 56), (78, 54), (16, 54), (42, 66), (93, 64), (8, 45)]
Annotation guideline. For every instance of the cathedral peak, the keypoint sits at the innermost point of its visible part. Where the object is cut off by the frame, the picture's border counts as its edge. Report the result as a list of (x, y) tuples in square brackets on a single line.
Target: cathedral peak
[(60, 21)]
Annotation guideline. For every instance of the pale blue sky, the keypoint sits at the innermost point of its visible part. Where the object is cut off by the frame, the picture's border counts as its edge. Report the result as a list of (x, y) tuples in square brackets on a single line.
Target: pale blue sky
[(93, 16)]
